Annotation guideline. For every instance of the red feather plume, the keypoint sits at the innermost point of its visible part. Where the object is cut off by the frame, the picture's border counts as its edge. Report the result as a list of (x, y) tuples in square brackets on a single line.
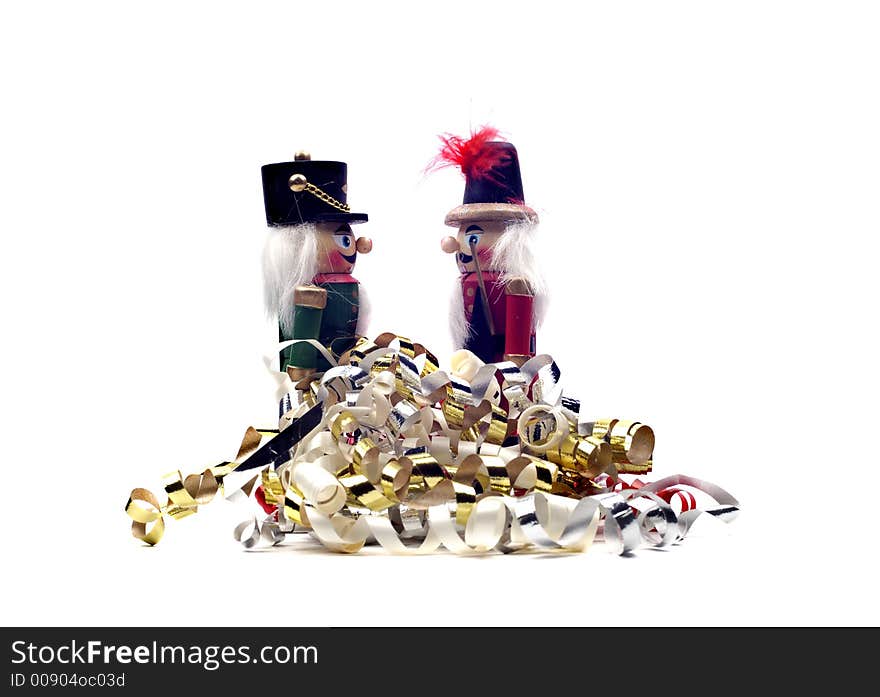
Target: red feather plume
[(471, 156)]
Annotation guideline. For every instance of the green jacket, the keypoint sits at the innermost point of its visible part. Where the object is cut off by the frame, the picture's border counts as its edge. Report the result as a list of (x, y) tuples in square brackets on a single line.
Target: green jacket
[(335, 326)]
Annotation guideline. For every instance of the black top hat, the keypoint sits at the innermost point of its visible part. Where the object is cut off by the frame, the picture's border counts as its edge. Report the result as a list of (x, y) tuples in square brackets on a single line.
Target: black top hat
[(501, 181), (307, 191), (493, 183)]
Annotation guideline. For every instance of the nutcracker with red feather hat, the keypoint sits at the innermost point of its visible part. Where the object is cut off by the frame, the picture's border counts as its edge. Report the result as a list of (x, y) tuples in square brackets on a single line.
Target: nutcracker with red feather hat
[(497, 304)]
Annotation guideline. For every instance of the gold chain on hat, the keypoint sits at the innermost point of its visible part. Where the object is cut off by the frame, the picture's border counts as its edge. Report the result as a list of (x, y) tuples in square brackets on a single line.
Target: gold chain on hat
[(327, 198), (298, 183)]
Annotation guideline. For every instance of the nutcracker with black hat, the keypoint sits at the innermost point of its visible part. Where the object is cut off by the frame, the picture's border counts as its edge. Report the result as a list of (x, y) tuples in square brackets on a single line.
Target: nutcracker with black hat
[(497, 304), (308, 258)]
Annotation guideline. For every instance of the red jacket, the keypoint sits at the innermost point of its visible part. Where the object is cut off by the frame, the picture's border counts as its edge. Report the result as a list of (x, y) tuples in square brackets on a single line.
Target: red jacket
[(512, 310)]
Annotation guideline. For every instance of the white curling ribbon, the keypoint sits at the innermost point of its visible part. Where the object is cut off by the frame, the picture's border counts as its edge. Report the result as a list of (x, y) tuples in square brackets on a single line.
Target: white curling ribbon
[(527, 479), (517, 536), (372, 404), (727, 509), (385, 534), (464, 364), (554, 512), (271, 532), (250, 531), (319, 487), (509, 453), (486, 524), (311, 342), (247, 533), (621, 533), (434, 382), (366, 363), (410, 420), (485, 527), (411, 442), (383, 383), (319, 445), (339, 381), (549, 522), (444, 431), (490, 450), (340, 533), (539, 412), (441, 450), (363, 414), (283, 384), (545, 386), (426, 420), (658, 525), (484, 385), (466, 448), (331, 463)]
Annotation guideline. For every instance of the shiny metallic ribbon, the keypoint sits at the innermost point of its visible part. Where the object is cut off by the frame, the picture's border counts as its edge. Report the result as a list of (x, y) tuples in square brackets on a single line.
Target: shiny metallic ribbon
[(390, 450)]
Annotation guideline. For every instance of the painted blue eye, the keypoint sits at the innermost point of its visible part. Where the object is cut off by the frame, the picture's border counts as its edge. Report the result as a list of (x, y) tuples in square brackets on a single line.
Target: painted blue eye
[(343, 241), (473, 240)]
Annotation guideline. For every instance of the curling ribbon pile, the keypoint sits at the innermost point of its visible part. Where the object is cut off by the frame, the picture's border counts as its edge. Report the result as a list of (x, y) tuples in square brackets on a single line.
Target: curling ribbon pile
[(386, 448)]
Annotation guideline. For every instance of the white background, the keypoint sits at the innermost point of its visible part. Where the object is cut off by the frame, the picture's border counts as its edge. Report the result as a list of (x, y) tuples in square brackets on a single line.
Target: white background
[(707, 176)]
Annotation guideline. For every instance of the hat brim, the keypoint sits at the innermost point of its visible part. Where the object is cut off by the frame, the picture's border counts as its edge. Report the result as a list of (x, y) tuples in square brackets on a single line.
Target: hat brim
[(353, 218), (497, 212)]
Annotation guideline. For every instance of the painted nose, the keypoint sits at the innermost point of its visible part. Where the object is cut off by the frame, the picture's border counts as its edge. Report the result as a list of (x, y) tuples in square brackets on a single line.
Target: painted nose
[(450, 245)]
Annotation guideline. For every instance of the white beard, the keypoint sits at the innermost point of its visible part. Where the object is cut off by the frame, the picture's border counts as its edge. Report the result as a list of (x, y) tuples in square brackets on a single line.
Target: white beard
[(289, 260), (458, 326), (512, 258)]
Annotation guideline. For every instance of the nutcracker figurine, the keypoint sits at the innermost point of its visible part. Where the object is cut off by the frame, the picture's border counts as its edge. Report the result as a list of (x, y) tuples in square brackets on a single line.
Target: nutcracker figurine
[(499, 301), (308, 259)]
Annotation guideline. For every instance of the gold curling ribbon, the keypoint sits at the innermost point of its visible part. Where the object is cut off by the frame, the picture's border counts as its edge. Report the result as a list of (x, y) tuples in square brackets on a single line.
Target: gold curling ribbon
[(632, 445), (471, 435), (395, 479), (453, 409), (382, 364), (602, 427), (592, 456), (365, 493), (499, 477), (425, 467), (343, 423), (541, 474), (465, 500), (365, 458), (186, 494), (432, 365), (143, 516), (295, 506), (361, 349), (589, 456), (472, 469), (497, 430), (273, 489)]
